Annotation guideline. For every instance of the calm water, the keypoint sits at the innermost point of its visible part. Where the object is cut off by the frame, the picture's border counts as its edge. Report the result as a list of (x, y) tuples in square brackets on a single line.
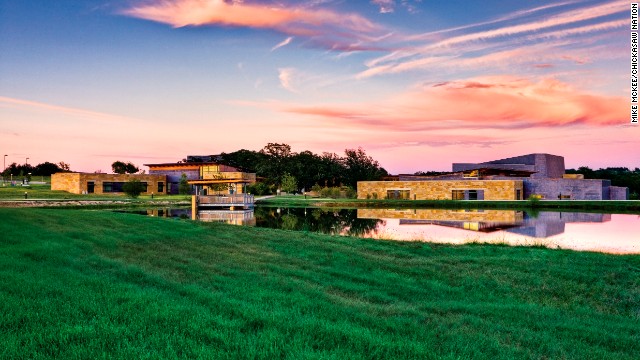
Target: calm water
[(619, 234)]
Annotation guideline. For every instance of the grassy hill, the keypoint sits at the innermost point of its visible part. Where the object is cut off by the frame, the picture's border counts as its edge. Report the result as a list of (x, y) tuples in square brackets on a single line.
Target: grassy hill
[(95, 284)]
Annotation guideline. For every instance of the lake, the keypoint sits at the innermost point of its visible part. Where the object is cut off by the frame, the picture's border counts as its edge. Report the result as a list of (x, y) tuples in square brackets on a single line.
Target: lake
[(610, 233)]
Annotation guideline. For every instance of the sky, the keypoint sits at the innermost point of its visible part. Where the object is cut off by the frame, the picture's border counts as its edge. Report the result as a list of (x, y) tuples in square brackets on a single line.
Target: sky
[(418, 84)]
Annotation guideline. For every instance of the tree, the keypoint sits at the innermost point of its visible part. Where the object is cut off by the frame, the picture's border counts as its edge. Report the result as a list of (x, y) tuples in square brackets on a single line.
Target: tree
[(219, 186), (246, 160), (46, 169), (361, 167), (289, 183), (134, 188), (306, 168), (64, 166), (120, 167), (278, 156), (183, 186)]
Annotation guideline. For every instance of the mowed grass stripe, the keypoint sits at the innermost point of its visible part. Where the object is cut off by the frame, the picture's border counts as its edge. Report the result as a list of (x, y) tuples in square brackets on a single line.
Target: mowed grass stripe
[(92, 284)]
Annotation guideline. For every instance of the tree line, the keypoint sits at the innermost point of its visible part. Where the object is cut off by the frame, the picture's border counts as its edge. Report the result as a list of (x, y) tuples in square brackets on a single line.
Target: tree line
[(44, 169), (277, 166)]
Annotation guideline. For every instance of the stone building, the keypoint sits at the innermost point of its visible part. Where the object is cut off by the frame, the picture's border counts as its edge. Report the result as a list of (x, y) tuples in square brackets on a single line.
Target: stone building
[(202, 175), (515, 178), (89, 183)]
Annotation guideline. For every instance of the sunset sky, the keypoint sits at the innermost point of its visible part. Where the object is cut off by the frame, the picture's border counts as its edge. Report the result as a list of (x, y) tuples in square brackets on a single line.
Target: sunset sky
[(418, 84)]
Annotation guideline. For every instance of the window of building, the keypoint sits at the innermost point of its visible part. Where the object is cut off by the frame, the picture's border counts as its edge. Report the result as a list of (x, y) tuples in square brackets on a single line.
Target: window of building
[(113, 186), (109, 187), (209, 171), (398, 194), (518, 195), (160, 186), (467, 194), (91, 187), (457, 194)]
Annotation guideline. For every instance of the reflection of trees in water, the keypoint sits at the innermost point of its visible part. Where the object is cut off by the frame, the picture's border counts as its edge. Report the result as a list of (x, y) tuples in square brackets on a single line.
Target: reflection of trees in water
[(315, 220)]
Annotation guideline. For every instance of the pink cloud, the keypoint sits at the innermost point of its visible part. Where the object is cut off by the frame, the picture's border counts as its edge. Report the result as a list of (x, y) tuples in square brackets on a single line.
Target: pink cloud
[(483, 102), (290, 20)]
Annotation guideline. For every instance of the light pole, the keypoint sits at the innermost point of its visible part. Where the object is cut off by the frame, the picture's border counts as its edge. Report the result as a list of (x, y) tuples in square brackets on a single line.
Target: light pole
[(26, 162), (4, 167)]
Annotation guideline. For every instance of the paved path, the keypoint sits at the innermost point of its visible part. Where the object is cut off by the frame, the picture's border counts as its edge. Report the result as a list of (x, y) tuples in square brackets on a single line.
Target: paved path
[(258, 198)]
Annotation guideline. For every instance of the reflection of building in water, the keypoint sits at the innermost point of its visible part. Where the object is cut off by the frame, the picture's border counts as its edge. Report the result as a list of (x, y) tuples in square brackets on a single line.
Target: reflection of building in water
[(547, 224), (167, 212), (234, 217), (476, 220)]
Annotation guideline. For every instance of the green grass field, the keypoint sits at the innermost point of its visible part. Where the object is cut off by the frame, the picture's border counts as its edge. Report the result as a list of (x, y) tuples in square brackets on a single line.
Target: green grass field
[(97, 284)]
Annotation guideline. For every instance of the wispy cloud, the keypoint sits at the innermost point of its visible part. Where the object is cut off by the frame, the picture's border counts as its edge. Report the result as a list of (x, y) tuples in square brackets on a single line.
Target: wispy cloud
[(326, 26), (417, 55), (287, 78), (7, 102), (386, 6), (284, 42)]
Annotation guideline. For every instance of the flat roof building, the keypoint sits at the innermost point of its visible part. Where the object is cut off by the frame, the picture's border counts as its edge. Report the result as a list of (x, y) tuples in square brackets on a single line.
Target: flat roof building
[(89, 183), (202, 175), (515, 178)]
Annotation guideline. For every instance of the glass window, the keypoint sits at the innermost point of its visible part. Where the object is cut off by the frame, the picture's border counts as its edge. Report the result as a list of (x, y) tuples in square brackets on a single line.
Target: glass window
[(475, 194), (398, 194), (160, 186), (457, 194), (109, 187)]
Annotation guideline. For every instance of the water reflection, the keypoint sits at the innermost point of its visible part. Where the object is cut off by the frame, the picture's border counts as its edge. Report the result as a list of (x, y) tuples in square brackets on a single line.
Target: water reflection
[(547, 224), (476, 219), (333, 222), (567, 230), (182, 213), (234, 217)]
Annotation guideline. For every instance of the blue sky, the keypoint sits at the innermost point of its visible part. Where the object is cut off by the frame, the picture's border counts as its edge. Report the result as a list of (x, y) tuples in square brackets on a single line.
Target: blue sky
[(417, 84)]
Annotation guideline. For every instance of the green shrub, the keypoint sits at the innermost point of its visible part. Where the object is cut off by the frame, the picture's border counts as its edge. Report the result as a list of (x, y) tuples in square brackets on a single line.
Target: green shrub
[(259, 188), (183, 187), (134, 188)]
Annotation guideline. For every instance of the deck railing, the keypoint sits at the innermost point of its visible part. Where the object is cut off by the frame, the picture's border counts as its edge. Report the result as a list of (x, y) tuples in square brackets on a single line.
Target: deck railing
[(226, 200)]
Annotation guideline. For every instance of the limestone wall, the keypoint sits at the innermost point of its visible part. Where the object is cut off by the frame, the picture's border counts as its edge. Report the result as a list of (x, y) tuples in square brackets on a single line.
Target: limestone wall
[(78, 183), (618, 193), (69, 182), (573, 189), (440, 190)]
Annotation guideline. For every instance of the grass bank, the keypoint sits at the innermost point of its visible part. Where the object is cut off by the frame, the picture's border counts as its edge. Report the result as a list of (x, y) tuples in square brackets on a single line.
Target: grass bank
[(88, 284), (617, 206)]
